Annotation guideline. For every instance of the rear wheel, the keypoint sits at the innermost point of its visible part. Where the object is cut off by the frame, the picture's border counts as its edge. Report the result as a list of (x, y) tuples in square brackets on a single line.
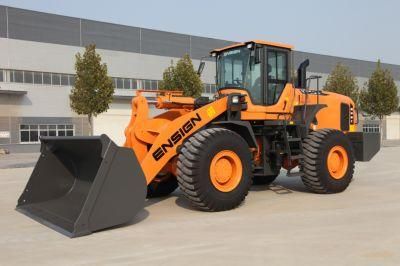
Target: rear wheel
[(328, 165), (264, 180), (162, 186), (214, 169)]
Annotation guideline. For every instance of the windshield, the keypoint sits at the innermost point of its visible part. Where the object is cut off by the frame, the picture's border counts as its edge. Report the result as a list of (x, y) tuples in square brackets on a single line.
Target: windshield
[(236, 69)]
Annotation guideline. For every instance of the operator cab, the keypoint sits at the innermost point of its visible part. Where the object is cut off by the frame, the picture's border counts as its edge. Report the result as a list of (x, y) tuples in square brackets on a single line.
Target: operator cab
[(261, 68)]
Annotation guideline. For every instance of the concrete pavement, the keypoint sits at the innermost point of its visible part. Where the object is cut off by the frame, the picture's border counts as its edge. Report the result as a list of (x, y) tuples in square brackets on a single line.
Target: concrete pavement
[(18, 160), (282, 224)]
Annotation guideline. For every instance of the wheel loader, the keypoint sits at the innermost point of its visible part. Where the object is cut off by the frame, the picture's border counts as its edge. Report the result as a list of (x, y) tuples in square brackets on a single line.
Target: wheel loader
[(259, 122)]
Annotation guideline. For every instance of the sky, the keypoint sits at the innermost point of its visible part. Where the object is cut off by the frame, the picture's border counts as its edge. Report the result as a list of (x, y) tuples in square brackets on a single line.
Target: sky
[(366, 30)]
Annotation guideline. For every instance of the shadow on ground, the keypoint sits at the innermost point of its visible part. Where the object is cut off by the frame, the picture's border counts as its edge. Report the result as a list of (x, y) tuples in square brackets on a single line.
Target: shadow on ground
[(143, 214), (282, 185)]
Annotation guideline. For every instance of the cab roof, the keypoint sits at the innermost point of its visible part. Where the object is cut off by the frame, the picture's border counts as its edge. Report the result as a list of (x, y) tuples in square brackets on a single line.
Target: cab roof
[(274, 44)]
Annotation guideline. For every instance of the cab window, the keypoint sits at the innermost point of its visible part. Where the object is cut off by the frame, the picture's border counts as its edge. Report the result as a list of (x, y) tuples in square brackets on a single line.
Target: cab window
[(277, 75), (236, 69)]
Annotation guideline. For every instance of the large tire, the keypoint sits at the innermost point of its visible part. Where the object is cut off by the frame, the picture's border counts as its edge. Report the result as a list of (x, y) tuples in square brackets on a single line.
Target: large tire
[(162, 186), (328, 164), (196, 172), (264, 180)]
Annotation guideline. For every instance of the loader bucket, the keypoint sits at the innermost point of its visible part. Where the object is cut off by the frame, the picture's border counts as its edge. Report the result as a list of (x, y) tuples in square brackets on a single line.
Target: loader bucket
[(83, 184)]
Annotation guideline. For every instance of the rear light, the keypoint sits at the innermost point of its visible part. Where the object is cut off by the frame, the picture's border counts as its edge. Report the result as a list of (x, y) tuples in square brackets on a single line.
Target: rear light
[(351, 115)]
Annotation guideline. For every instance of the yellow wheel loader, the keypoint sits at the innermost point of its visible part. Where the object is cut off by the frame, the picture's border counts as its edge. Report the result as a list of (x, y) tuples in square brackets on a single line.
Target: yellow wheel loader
[(259, 122)]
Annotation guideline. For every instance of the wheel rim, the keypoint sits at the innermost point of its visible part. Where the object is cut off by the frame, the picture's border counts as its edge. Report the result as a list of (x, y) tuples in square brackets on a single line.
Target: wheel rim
[(226, 170), (338, 162)]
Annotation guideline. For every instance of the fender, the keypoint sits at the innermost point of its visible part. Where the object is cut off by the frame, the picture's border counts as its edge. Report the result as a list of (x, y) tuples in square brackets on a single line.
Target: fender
[(243, 128), (310, 115)]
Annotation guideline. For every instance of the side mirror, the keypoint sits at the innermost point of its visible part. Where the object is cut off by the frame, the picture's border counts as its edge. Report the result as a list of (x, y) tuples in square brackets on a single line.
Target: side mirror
[(201, 67)]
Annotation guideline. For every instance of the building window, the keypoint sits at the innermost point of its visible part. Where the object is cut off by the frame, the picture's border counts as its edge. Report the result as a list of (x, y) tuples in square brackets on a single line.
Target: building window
[(38, 77), (69, 130), (134, 84), (43, 130), (72, 80), (120, 83), (127, 83), (58, 79), (60, 130), (371, 128), (209, 88), (55, 79), (28, 77), (17, 76), (147, 84), (140, 84), (31, 133), (47, 78), (64, 80), (65, 130), (154, 85)]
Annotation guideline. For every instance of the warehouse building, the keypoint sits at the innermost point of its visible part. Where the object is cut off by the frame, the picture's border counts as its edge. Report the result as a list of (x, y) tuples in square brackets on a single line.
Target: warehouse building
[(37, 56)]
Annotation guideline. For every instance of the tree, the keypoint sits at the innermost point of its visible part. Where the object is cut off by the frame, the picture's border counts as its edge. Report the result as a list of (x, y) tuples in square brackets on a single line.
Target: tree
[(380, 97), (342, 81), (93, 90), (182, 77)]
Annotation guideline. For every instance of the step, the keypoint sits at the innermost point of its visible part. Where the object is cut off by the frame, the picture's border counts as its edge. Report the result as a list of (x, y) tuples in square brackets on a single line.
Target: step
[(296, 157), (290, 174)]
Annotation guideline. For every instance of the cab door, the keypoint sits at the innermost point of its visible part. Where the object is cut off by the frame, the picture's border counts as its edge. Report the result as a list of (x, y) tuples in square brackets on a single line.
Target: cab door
[(276, 74)]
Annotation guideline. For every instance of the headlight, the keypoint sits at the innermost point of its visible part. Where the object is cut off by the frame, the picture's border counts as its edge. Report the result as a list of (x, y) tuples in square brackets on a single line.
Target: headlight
[(235, 99)]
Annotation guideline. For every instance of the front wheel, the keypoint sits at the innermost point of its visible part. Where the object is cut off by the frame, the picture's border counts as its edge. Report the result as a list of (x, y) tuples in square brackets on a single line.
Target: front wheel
[(214, 169), (328, 163)]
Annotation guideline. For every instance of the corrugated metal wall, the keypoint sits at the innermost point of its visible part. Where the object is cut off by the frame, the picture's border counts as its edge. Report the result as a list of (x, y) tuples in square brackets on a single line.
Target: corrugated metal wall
[(111, 36), (201, 46), (3, 22), (325, 64), (49, 28), (165, 43), (42, 27)]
